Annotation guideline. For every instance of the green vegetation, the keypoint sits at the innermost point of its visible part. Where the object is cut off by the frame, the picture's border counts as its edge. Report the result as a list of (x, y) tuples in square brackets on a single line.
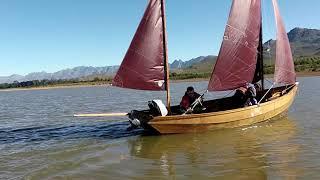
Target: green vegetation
[(189, 75), (52, 83), (302, 64), (307, 64)]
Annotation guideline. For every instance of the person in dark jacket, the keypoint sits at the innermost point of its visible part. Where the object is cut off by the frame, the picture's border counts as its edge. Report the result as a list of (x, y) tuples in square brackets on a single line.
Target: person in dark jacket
[(239, 98), (246, 95), (189, 97), (251, 94)]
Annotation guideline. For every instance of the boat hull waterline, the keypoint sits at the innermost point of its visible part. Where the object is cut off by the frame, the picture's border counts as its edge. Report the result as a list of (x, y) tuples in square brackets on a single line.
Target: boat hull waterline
[(224, 119)]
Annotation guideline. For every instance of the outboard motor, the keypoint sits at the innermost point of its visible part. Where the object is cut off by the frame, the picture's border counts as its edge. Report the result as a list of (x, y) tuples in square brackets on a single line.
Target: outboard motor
[(141, 118), (157, 108)]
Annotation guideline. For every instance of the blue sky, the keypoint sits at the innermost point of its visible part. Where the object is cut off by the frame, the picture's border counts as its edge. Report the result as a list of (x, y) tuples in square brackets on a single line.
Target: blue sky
[(50, 35)]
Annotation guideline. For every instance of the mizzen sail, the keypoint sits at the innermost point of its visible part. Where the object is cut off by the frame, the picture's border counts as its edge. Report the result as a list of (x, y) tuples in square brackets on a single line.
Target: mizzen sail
[(143, 65), (237, 58), (284, 67)]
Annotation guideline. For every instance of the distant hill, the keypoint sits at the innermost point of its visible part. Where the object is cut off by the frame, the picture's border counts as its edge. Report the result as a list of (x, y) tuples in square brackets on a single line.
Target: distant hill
[(179, 64), (205, 65), (303, 42), (91, 72), (10, 79), (77, 72)]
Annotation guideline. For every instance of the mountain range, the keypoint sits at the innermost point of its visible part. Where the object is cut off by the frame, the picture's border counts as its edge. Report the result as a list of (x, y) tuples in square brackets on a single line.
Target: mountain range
[(77, 72), (86, 71), (303, 41)]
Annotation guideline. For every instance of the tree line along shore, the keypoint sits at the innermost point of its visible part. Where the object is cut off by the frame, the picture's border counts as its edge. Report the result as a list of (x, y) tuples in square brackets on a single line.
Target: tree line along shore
[(303, 65)]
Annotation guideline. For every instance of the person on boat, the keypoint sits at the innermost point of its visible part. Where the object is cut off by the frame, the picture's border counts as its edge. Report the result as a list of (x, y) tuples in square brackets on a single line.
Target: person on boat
[(258, 87), (259, 90), (251, 94), (189, 97), (246, 95), (239, 97)]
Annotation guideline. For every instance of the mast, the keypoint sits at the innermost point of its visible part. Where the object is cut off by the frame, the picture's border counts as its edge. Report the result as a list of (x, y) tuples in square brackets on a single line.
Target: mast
[(165, 54), (261, 55)]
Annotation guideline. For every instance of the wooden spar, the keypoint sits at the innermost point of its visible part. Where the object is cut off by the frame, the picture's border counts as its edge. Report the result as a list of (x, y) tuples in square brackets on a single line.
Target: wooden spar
[(101, 115), (165, 50)]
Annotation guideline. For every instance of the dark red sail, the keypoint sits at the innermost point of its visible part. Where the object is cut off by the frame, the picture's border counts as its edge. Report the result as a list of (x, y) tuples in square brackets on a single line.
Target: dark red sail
[(237, 58), (143, 65), (284, 67)]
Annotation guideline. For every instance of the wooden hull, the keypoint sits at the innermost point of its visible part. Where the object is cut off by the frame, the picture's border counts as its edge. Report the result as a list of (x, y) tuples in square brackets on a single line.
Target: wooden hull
[(224, 119)]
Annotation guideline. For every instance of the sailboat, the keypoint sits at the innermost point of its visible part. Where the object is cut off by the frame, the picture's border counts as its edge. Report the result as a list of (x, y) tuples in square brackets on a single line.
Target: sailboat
[(240, 61)]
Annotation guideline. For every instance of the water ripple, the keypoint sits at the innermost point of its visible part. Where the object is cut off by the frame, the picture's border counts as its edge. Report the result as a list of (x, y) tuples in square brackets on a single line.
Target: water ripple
[(41, 133)]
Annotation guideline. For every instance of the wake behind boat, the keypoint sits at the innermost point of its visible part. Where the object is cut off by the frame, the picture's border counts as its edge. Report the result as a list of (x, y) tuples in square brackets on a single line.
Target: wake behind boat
[(240, 61)]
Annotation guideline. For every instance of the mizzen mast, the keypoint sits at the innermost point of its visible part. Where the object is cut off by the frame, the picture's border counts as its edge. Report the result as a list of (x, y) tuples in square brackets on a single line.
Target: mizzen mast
[(165, 54)]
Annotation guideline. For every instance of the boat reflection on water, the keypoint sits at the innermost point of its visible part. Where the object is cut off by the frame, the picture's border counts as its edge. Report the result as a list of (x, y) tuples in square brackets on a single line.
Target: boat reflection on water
[(266, 150)]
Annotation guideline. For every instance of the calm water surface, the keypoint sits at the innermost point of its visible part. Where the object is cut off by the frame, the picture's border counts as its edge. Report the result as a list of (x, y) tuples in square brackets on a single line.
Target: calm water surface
[(39, 139)]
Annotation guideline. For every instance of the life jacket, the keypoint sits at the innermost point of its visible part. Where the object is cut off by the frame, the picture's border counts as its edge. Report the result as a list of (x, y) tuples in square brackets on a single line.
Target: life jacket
[(185, 102)]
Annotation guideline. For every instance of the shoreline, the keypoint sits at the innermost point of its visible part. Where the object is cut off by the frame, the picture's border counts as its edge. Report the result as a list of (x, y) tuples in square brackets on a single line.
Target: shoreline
[(53, 87), (299, 74)]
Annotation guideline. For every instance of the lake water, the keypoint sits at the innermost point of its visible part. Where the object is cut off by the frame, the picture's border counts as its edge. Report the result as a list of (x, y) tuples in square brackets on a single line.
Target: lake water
[(39, 139)]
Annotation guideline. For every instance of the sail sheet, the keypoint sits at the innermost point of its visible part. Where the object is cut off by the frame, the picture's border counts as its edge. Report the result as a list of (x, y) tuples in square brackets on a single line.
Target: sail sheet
[(284, 67), (143, 65), (237, 58)]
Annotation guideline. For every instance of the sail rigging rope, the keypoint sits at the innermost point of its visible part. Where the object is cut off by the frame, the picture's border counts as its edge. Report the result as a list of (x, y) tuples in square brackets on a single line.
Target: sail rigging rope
[(266, 94), (285, 90)]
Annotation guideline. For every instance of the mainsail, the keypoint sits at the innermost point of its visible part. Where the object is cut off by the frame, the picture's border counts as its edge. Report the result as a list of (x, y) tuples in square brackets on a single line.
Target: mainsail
[(284, 67), (237, 58), (143, 66)]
